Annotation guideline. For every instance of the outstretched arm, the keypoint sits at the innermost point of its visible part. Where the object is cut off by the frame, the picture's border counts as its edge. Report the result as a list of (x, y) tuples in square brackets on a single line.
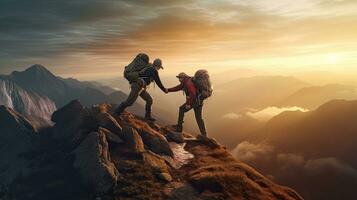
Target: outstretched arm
[(158, 80), (176, 88)]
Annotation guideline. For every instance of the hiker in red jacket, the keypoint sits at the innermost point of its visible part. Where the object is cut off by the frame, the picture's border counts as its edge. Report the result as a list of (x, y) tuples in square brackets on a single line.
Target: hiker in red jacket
[(192, 101)]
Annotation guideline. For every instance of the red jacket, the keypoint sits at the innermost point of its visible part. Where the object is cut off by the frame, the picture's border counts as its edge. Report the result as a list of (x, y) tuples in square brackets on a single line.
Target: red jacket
[(190, 90)]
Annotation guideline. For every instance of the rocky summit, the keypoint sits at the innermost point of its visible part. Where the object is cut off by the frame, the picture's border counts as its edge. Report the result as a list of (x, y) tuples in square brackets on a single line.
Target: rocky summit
[(90, 153)]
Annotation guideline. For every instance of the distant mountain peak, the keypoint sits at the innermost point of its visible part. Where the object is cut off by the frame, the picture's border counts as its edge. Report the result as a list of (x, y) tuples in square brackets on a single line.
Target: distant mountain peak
[(38, 69), (36, 73)]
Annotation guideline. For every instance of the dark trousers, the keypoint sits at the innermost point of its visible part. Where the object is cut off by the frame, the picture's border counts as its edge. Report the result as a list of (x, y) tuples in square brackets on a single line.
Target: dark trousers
[(198, 114), (138, 88)]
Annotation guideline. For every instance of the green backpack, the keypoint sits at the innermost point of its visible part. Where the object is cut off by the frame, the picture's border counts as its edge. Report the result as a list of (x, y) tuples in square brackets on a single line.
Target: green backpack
[(136, 67), (203, 84)]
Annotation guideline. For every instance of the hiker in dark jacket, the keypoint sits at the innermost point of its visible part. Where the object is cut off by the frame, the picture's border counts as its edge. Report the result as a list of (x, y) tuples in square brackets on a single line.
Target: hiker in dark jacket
[(192, 101), (138, 88)]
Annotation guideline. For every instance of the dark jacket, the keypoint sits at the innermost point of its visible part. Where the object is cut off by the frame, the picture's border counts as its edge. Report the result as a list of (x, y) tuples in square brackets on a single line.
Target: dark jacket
[(151, 74), (189, 88)]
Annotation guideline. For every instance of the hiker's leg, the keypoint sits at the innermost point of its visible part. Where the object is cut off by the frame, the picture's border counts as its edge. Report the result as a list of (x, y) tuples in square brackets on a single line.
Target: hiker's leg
[(133, 95), (182, 111), (199, 119), (149, 101)]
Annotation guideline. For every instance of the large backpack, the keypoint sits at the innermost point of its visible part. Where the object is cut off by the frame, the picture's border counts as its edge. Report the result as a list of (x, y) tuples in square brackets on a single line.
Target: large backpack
[(203, 83), (136, 67)]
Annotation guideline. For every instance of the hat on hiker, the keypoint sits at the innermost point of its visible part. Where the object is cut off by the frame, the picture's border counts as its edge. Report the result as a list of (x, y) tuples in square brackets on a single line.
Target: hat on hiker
[(157, 63), (182, 75)]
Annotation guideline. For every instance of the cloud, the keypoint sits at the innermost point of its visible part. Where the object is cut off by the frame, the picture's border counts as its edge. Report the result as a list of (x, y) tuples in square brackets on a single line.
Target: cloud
[(231, 116), (247, 151), (76, 33), (255, 153), (330, 165), (269, 112), (290, 160)]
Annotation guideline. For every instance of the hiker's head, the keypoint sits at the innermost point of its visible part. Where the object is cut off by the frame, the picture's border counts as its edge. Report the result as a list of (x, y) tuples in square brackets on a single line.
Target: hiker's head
[(182, 76), (157, 64)]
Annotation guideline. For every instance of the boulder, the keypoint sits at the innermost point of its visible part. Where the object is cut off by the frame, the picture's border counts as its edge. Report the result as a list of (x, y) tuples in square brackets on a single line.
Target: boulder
[(158, 165), (105, 120), (175, 137), (93, 160), (156, 162), (68, 120), (111, 137), (156, 142), (211, 142), (133, 140)]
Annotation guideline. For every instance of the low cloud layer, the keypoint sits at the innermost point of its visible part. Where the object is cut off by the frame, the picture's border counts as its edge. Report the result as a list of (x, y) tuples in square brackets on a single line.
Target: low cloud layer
[(330, 165), (310, 176), (250, 152), (231, 116), (269, 112), (246, 151)]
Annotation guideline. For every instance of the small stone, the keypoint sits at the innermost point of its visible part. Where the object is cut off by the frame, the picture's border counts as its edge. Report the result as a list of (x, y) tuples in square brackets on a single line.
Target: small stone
[(164, 177)]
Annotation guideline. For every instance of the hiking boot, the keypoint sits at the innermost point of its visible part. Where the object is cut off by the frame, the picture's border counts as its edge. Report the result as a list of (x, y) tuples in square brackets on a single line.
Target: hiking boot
[(120, 109), (177, 128), (201, 137), (149, 118)]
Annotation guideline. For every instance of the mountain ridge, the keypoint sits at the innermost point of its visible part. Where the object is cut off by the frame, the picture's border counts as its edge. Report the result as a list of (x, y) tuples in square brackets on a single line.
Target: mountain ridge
[(313, 144), (38, 84), (111, 157)]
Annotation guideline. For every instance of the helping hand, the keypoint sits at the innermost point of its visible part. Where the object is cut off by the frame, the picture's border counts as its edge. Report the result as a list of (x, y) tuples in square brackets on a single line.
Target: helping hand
[(166, 91)]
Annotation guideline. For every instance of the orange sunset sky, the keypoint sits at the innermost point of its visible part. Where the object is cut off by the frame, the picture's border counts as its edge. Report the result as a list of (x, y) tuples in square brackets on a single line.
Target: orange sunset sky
[(95, 39)]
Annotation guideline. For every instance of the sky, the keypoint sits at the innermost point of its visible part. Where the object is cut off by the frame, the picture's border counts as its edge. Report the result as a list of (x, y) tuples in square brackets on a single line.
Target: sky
[(95, 39)]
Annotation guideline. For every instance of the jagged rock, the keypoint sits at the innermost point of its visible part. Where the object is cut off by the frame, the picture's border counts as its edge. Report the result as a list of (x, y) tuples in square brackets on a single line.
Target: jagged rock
[(172, 135), (153, 139), (211, 142), (16, 137), (111, 137), (133, 140), (175, 137), (93, 160), (68, 120), (105, 120), (156, 142), (156, 162)]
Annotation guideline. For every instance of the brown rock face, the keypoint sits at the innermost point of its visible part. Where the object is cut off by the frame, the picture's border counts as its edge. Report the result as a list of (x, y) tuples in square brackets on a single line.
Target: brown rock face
[(173, 136), (93, 160), (111, 137), (105, 120), (153, 139), (135, 162), (133, 140), (156, 142), (214, 173)]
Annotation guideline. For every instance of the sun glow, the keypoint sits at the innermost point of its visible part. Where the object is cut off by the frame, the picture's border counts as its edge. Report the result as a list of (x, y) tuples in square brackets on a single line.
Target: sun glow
[(333, 58)]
